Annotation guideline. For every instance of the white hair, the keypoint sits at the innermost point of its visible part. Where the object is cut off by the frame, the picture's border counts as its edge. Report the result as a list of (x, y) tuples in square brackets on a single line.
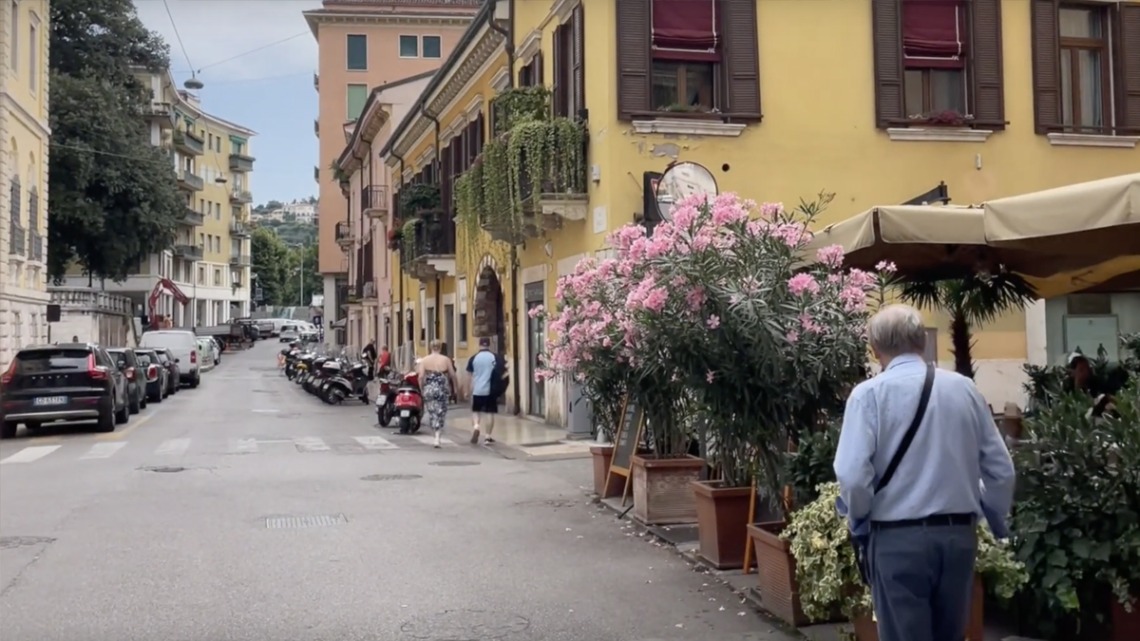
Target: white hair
[(897, 330)]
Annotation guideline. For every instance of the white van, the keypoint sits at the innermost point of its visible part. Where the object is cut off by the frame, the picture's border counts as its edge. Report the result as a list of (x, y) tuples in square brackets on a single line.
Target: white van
[(184, 344)]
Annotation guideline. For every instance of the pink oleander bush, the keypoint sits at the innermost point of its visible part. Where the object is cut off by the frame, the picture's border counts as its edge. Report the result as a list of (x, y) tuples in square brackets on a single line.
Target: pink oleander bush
[(719, 307)]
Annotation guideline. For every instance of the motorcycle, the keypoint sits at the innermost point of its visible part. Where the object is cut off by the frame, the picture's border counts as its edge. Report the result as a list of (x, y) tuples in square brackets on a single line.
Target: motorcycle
[(331, 371), (316, 376), (386, 398), (350, 380), (409, 404)]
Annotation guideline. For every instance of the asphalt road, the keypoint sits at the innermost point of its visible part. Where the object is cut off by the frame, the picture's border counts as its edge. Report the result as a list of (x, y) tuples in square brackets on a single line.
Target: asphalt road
[(247, 510)]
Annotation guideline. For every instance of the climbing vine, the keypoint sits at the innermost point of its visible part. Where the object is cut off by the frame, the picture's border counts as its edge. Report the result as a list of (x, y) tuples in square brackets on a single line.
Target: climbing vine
[(518, 105), (408, 243), (419, 197)]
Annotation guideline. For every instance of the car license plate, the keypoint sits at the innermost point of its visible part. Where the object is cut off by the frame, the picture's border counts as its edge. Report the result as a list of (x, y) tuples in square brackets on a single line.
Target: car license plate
[(405, 413), (381, 399), (50, 400)]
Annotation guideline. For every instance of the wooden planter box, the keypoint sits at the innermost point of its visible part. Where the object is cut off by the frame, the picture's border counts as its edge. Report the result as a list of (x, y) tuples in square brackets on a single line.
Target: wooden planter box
[(866, 630), (776, 571), (602, 455), (722, 520), (662, 489), (1125, 625)]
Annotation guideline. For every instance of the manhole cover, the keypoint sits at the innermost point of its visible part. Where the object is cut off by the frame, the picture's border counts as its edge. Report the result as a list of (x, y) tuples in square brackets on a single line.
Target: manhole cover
[(453, 463), (391, 477), (298, 522), (165, 469), (466, 625), (9, 542)]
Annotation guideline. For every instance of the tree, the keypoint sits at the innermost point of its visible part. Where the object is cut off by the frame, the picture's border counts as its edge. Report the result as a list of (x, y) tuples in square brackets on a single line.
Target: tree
[(113, 195), (270, 260)]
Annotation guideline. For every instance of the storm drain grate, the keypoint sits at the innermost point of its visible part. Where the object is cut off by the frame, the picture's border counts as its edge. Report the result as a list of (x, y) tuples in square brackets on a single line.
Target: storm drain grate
[(391, 477), (298, 522), (453, 463)]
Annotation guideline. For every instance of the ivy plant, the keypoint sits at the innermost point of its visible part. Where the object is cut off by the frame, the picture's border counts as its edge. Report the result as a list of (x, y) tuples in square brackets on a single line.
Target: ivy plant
[(419, 197)]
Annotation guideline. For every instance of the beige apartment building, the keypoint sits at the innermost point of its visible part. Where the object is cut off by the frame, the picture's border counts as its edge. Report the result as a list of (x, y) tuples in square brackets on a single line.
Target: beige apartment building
[(364, 45)]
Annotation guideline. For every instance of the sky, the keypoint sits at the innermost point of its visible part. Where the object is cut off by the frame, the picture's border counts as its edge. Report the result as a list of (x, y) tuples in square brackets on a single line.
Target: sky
[(267, 86)]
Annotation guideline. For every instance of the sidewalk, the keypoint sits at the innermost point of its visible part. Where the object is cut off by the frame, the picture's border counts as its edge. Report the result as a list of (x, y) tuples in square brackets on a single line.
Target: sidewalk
[(527, 437)]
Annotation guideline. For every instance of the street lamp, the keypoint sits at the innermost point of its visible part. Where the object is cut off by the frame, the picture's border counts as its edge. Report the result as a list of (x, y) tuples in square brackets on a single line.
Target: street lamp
[(301, 270)]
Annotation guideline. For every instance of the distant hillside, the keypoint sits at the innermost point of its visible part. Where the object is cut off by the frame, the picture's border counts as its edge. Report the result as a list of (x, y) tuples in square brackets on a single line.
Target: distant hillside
[(292, 233)]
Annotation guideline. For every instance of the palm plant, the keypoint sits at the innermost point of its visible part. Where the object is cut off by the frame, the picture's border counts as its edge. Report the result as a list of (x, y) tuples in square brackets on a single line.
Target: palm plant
[(970, 302)]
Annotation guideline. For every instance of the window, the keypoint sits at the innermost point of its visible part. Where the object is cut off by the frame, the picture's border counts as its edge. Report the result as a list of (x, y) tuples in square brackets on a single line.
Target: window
[(15, 41), (409, 46), (432, 47), (357, 52), (1084, 68), (33, 59), (217, 277), (357, 96), (201, 275), (686, 56), (567, 98), (531, 74), (945, 56)]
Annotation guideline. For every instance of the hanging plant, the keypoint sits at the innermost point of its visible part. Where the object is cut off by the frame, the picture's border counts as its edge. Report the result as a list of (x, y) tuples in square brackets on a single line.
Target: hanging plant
[(408, 244), (419, 197), (339, 174), (496, 208), (513, 106)]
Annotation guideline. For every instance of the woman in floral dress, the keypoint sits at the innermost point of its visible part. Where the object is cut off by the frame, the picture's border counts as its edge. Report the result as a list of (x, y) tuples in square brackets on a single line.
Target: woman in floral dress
[(437, 380)]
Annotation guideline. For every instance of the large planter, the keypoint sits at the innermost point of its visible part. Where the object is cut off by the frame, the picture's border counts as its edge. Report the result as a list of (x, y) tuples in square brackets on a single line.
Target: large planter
[(866, 630), (722, 520), (1125, 625), (662, 488), (602, 455), (776, 571)]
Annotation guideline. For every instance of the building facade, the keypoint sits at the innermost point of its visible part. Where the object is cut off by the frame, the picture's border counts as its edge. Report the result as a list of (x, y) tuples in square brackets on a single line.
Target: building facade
[(204, 278), (25, 136), (968, 101), (364, 44)]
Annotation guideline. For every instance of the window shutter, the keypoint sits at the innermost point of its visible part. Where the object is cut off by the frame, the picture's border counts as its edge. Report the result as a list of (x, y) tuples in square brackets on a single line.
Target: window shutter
[(1046, 45), (986, 64), (633, 35), (557, 92), (1127, 36), (741, 58), (537, 71), (886, 34), (578, 70)]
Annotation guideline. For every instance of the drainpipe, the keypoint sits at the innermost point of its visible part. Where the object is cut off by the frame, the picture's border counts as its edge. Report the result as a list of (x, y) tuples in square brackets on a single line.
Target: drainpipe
[(439, 180), (400, 269)]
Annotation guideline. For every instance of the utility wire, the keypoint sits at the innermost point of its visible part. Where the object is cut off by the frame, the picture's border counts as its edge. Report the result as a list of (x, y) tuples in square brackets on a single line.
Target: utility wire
[(177, 35), (254, 50)]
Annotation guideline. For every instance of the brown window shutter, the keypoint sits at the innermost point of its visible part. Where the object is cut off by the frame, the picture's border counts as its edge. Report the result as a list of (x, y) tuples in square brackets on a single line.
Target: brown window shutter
[(1127, 37), (1046, 46), (558, 91), (886, 34), (741, 58), (633, 35), (537, 71), (578, 71), (986, 64)]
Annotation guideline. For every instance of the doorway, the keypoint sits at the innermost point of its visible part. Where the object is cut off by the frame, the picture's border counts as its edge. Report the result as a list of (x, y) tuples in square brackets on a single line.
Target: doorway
[(449, 328), (489, 321), (533, 294)]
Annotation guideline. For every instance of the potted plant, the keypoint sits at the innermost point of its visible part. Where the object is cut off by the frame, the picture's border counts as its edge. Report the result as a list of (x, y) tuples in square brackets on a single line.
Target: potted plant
[(829, 579)]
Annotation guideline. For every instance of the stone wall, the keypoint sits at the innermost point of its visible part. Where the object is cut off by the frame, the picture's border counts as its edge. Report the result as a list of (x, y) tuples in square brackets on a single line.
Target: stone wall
[(90, 315)]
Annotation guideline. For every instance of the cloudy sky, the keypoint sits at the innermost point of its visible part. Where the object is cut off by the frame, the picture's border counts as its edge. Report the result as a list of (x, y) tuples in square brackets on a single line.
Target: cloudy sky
[(256, 58)]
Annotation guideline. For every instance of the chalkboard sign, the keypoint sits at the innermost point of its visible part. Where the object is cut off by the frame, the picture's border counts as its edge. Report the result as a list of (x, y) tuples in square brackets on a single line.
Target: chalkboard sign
[(627, 437)]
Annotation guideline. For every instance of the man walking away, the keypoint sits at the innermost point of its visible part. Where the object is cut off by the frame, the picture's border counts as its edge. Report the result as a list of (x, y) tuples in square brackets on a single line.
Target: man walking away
[(921, 539), (484, 404), (369, 356)]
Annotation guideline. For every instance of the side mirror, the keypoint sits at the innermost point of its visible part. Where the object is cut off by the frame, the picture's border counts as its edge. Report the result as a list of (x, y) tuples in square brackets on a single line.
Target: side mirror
[(178, 360)]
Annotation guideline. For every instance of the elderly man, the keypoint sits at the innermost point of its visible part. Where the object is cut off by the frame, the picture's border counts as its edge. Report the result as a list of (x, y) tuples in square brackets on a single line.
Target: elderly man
[(932, 432)]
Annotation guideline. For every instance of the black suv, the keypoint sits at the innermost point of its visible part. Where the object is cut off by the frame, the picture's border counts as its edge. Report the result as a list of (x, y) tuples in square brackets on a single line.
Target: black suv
[(68, 382), (127, 360)]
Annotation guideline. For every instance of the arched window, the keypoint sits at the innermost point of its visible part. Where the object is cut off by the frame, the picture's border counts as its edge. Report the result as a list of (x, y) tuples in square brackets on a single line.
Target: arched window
[(16, 241), (36, 250)]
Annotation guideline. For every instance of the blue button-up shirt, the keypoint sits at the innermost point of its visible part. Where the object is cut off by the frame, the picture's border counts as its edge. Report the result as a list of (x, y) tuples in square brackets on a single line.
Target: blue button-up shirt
[(957, 462)]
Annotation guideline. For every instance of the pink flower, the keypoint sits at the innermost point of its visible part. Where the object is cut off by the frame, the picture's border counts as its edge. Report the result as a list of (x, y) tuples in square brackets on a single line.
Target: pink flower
[(886, 266), (793, 336), (831, 256), (801, 283), (710, 376), (769, 211), (713, 321), (536, 311)]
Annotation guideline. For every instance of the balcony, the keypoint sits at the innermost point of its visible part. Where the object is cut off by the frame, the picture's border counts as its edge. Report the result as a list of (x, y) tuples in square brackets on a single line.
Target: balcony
[(316, 173), (241, 163), (189, 143), (240, 197), (17, 239), (190, 181), (344, 235), (161, 113), (192, 218), (239, 229), (239, 260), (374, 201), (427, 249), (188, 252)]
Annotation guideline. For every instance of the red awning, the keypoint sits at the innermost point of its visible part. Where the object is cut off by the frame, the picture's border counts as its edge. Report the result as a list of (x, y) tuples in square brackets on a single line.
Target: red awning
[(934, 33), (685, 30)]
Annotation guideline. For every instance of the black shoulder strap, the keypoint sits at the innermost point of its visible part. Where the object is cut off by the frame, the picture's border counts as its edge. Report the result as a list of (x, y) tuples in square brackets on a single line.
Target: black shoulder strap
[(923, 401)]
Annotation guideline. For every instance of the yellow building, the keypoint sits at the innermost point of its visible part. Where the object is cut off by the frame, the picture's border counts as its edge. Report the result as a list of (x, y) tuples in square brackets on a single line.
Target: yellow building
[(24, 132), (992, 100)]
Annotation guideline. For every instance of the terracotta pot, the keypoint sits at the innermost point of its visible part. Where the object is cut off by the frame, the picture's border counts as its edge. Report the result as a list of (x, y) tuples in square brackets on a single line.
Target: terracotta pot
[(1125, 625), (662, 488), (722, 520), (867, 630), (602, 455), (776, 571)]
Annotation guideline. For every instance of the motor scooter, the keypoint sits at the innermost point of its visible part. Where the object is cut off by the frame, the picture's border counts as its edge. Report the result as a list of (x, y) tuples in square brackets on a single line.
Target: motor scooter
[(386, 397), (409, 404), (350, 380), (330, 370)]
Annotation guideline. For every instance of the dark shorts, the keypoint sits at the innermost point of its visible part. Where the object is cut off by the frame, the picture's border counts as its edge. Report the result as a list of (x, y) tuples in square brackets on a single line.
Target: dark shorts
[(484, 405)]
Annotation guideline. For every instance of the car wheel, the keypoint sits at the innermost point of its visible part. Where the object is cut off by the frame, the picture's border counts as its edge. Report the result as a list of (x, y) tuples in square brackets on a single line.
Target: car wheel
[(196, 381), (8, 429), (133, 404), (123, 415), (107, 418), (143, 400)]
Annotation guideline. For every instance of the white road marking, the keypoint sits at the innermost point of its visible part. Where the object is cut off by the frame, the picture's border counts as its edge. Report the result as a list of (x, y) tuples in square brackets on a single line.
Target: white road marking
[(375, 443), (243, 446), (103, 450), (310, 444), (29, 454), (173, 447), (430, 440)]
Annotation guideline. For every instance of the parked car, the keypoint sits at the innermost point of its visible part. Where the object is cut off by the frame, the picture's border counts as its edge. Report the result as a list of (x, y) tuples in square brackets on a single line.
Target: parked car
[(290, 333), (207, 353), (184, 344), (68, 382), (128, 362), (173, 372), (221, 347), (156, 375)]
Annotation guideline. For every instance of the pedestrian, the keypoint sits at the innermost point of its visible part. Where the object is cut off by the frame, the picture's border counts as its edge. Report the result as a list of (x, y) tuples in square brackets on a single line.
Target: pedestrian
[(437, 380), (385, 361), (369, 356), (484, 367), (918, 533)]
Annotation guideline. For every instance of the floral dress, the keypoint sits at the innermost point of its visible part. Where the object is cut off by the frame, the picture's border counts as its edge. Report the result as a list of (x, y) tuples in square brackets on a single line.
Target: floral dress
[(437, 391)]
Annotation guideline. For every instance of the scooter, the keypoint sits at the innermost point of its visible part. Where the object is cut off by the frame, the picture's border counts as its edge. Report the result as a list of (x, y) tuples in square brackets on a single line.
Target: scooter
[(330, 371), (409, 404), (386, 398), (350, 380)]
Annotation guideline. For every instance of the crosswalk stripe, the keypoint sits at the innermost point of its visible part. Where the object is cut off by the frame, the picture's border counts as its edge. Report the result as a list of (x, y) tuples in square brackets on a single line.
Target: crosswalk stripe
[(29, 454), (103, 450), (310, 444), (375, 443), (430, 440), (173, 447), (243, 445)]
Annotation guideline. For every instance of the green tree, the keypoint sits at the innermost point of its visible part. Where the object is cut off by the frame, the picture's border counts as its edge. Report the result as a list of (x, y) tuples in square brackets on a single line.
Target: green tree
[(303, 270), (271, 262), (113, 195)]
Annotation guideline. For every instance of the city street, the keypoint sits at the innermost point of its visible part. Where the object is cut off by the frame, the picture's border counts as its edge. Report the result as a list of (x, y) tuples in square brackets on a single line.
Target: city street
[(248, 510)]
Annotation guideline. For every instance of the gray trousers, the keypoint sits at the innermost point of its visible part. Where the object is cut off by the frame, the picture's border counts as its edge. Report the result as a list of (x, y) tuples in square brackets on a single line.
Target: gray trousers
[(922, 580)]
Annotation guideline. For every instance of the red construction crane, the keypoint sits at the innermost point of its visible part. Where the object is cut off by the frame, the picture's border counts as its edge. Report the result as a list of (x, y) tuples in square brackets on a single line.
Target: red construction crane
[(167, 285)]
